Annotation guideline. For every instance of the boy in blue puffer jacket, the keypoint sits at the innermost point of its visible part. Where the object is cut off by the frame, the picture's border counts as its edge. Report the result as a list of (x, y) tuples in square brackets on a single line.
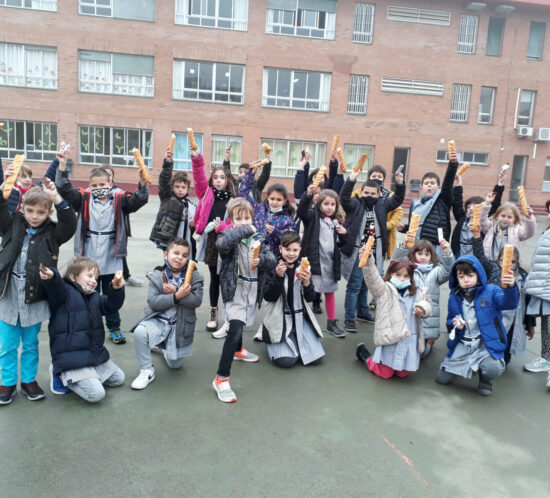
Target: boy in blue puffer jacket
[(477, 339)]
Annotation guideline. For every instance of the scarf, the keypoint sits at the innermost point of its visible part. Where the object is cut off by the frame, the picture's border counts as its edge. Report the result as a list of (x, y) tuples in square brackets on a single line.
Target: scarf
[(425, 198), (424, 268), (221, 195), (467, 294)]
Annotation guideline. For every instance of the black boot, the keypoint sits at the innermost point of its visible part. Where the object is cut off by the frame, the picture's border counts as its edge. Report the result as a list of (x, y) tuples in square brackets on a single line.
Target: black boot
[(332, 327), (485, 387), (362, 352)]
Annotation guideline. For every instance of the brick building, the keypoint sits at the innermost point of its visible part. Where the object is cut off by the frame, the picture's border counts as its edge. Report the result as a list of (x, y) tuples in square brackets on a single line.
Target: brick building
[(394, 78)]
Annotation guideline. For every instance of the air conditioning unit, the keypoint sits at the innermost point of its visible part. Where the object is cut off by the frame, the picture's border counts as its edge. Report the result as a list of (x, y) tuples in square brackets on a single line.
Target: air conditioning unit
[(524, 131), (543, 135)]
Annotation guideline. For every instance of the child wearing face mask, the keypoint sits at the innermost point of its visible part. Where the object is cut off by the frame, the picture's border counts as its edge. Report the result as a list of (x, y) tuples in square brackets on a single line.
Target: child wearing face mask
[(398, 330), (290, 329), (477, 339), (102, 231), (430, 273), (518, 324), (214, 193), (323, 236), (506, 227), (80, 360)]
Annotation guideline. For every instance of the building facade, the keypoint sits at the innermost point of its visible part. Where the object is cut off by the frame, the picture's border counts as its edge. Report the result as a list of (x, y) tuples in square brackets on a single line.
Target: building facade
[(395, 79)]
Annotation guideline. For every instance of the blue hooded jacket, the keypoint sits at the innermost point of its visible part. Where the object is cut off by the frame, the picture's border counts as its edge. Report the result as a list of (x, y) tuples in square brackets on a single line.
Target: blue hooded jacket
[(489, 301)]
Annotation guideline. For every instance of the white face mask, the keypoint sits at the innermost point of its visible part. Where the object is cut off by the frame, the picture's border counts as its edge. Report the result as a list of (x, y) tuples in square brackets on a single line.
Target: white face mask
[(276, 210), (398, 284)]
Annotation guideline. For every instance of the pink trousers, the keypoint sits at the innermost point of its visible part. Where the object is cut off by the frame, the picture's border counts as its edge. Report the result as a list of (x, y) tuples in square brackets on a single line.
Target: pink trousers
[(384, 371)]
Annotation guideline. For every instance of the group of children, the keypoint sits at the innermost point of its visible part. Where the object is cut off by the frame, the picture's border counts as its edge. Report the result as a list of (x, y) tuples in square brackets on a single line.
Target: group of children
[(256, 258)]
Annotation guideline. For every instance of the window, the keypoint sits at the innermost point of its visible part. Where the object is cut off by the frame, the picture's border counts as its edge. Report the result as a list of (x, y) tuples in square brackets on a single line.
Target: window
[(224, 14), (495, 34), (117, 74), (110, 145), (537, 33), (182, 152), (474, 158), (309, 18), (416, 87), (526, 107), (38, 141), (219, 144), (467, 34), (50, 5), (421, 16), (305, 90), (486, 105), (352, 153), (358, 91), (546, 181), (139, 10), (287, 154), (460, 103), (363, 23), (208, 82), (28, 66)]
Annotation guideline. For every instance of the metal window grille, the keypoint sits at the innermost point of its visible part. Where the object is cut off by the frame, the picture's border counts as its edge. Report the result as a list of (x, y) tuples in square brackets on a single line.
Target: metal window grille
[(358, 91), (460, 103), (363, 23), (467, 35), (420, 16), (416, 87)]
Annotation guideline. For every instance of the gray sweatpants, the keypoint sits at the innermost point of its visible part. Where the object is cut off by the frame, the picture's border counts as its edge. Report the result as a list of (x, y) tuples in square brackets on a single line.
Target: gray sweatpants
[(92, 390), (143, 350), (489, 367)]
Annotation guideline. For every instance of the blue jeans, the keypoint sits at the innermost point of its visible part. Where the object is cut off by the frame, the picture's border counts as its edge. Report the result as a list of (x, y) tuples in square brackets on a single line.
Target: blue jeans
[(356, 294), (10, 338)]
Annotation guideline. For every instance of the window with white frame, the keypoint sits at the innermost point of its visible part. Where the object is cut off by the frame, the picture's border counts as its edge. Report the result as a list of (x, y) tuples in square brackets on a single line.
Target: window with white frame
[(208, 82), (352, 153), (363, 23), (38, 141), (49, 5), (224, 14), (308, 18), (113, 145), (358, 92), (464, 156), (526, 107), (546, 181), (537, 33), (292, 89), (415, 87), (138, 10), (486, 105), (460, 103), (182, 151), (467, 34), (117, 74), (28, 66), (219, 144), (287, 154), (420, 16)]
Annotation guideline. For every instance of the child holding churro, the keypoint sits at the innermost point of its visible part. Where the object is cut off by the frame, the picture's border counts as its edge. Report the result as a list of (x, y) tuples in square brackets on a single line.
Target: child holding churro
[(290, 328), (80, 360), (323, 235), (175, 293), (243, 277), (398, 330)]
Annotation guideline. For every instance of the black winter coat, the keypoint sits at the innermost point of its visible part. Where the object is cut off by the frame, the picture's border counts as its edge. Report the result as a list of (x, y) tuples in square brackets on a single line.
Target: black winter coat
[(310, 240), (440, 214), (43, 248), (460, 214), (76, 329), (354, 208)]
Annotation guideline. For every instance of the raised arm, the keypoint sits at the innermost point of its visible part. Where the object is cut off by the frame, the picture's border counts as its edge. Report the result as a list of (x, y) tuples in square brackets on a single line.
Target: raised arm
[(527, 227), (165, 177), (199, 175), (246, 186), (448, 181), (262, 180), (304, 208), (458, 202)]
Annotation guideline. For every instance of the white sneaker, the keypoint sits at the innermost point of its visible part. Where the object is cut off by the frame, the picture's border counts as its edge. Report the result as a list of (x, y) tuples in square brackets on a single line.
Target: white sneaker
[(538, 365), (225, 393), (244, 355), (145, 377), (222, 332), (134, 282)]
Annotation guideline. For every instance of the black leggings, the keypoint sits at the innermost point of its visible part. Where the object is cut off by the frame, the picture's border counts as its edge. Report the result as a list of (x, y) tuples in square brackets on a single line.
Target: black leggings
[(233, 343), (290, 361), (214, 286)]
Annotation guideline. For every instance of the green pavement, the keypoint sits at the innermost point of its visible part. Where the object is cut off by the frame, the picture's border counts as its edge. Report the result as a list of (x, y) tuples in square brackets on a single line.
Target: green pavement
[(328, 430)]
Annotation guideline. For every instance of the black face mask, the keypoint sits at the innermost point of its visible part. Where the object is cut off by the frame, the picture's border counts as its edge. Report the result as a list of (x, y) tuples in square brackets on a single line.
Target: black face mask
[(369, 200)]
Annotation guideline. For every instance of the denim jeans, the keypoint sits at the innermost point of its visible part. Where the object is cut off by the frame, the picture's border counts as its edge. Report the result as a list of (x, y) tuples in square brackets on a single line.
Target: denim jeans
[(356, 294), (10, 338)]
